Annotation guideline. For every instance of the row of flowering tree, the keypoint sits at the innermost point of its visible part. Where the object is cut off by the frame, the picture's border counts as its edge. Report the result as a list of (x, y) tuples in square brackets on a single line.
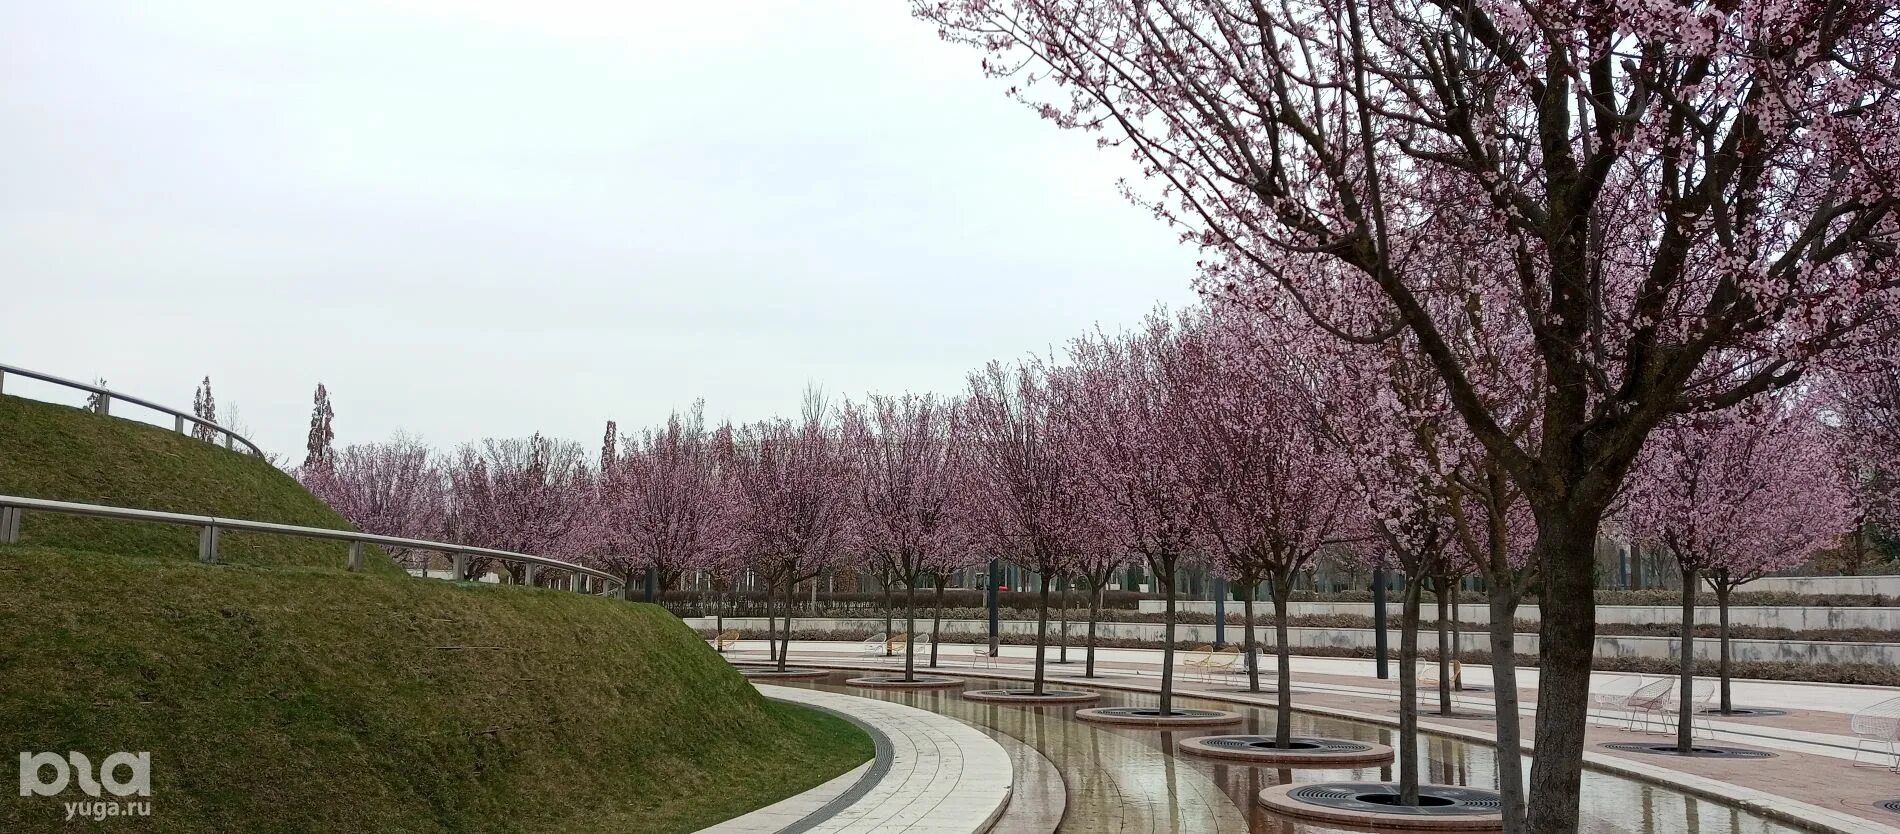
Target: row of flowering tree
[(1686, 206)]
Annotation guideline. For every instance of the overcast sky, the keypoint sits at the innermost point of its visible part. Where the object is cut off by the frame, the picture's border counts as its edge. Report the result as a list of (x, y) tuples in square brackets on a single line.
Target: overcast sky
[(473, 218)]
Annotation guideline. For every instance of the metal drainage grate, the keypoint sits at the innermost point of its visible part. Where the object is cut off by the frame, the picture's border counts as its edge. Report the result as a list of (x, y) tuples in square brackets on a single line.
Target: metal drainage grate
[(1892, 805), (1383, 798), (1304, 743), (1749, 712), (1700, 751), (1155, 712)]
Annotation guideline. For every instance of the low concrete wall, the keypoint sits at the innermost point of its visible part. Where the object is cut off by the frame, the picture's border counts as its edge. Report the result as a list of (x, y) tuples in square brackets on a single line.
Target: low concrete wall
[(1796, 651), (1887, 585), (1798, 618)]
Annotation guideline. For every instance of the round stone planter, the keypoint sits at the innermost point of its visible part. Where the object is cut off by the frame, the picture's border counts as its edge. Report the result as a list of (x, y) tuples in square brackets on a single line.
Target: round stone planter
[(898, 682), (1365, 805), (1023, 697), (1152, 717), (1304, 751), (791, 673)]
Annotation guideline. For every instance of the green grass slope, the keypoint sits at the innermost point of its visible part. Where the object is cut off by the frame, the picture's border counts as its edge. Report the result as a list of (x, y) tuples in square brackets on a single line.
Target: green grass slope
[(69, 454), (278, 692), (316, 700)]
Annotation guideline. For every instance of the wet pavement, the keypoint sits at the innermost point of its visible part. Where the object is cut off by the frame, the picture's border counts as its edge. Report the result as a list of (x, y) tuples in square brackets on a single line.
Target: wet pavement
[(1130, 781)]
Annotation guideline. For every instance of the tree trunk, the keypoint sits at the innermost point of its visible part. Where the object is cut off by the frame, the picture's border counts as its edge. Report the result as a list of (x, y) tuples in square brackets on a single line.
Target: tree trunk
[(1283, 655), (1444, 648), (719, 617), (1095, 615), (1457, 633), (771, 622), (1722, 589), (936, 622), (1250, 647), (889, 604), (1065, 582), (910, 629), (1408, 692), (1503, 630), (785, 637), (1167, 638), (1685, 695), (1042, 633), (1566, 542)]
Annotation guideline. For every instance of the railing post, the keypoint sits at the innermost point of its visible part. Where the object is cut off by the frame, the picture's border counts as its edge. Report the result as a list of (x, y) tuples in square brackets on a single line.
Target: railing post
[(228, 442), (105, 404), (178, 423), (573, 581), (208, 543), (10, 524), (3, 382), (356, 556), (528, 575), (461, 567)]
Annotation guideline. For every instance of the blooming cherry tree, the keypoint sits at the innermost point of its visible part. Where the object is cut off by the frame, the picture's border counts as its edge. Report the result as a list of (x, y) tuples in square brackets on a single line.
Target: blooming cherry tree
[(791, 480), (1022, 482), (661, 506), (1733, 497), (1134, 440), (906, 454)]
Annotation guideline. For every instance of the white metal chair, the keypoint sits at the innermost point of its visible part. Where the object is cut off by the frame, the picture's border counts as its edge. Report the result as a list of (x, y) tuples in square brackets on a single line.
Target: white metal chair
[(873, 646), (1610, 697), (980, 656), (1428, 680), (1880, 725), (1225, 660), (1651, 701)]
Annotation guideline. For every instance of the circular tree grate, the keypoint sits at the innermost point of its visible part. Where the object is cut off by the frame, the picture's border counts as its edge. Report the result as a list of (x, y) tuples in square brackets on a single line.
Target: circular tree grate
[(1892, 805), (1700, 751), (1327, 745), (1744, 712), (1152, 712), (1383, 798)]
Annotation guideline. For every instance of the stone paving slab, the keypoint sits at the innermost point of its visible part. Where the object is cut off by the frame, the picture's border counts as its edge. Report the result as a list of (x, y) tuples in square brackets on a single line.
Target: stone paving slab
[(943, 777)]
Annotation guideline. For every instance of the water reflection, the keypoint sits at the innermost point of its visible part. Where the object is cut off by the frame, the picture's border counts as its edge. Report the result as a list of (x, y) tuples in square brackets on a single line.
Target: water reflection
[(1129, 780)]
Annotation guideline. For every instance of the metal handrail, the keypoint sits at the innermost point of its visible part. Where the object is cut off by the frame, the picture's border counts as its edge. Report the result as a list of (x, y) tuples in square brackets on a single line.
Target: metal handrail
[(12, 507), (179, 418)]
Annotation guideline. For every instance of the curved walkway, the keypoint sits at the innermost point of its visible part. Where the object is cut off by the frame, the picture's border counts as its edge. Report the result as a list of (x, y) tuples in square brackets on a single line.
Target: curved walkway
[(931, 775)]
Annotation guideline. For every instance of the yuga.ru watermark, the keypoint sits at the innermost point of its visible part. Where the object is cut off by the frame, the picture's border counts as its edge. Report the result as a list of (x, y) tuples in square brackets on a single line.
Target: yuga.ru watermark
[(121, 775)]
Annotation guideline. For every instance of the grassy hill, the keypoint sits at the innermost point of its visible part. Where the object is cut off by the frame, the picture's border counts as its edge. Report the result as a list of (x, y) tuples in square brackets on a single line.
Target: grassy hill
[(69, 454), (278, 692)]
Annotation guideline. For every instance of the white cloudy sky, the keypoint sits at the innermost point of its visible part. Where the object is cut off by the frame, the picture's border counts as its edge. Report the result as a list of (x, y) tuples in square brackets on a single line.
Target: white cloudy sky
[(477, 218)]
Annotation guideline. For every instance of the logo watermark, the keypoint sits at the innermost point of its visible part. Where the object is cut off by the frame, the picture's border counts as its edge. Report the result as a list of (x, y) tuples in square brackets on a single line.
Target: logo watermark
[(122, 775)]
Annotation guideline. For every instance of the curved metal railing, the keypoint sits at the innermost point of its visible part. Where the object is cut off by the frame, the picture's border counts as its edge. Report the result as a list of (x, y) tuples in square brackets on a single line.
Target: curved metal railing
[(579, 577), (179, 418)]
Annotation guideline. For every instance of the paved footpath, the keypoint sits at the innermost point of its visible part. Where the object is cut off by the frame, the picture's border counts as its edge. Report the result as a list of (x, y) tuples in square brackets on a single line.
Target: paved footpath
[(932, 775), (1812, 777)]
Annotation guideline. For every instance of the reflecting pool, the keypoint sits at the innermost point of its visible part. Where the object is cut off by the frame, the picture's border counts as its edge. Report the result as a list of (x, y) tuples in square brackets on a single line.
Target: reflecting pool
[(1129, 780)]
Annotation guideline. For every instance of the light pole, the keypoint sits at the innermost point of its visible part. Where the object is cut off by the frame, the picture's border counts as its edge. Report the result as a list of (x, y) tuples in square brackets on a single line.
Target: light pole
[(1378, 621), (1220, 612)]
